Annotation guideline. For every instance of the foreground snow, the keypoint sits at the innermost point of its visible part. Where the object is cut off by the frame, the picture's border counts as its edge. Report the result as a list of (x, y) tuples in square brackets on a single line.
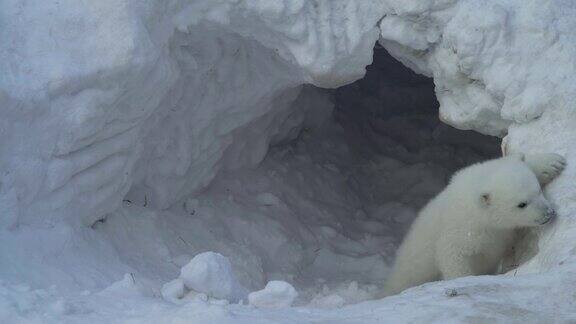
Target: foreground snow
[(131, 131), (520, 299)]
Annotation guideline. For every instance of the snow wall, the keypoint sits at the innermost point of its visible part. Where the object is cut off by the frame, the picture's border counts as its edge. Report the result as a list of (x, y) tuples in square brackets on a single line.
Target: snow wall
[(115, 108)]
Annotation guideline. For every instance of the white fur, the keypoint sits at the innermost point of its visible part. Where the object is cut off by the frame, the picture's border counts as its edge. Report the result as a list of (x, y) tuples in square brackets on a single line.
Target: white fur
[(469, 226)]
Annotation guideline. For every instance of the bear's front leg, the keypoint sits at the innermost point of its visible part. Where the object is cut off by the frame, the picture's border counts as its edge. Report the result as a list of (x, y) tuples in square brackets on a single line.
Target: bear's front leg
[(453, 256), (455, 266), (546, 166)]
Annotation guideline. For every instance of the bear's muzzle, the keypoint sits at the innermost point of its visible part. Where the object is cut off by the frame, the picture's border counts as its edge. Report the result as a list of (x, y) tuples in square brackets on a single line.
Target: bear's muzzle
[(550, 214)]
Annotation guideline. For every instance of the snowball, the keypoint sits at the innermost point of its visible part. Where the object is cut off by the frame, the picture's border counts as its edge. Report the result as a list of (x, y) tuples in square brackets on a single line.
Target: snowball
[(173, 290), (276, 294), (211, 273)]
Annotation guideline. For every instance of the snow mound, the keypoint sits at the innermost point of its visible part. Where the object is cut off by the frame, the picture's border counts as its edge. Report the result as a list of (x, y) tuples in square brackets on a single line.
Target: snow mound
[(211, 273), (276, 294)]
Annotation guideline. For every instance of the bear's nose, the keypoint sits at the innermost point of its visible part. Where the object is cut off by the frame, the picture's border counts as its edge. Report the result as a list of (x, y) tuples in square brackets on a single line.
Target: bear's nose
[(550, 214)]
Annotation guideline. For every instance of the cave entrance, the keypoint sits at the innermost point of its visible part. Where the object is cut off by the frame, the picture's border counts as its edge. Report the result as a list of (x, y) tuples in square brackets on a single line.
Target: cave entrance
[(358, 181), (326, 209)]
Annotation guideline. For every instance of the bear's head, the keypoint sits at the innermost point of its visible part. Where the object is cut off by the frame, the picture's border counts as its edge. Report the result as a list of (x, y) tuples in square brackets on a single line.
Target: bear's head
[(511, 197)]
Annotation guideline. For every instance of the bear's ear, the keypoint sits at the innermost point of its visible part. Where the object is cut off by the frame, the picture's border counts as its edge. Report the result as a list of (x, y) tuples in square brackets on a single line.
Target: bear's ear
[(485, 199)]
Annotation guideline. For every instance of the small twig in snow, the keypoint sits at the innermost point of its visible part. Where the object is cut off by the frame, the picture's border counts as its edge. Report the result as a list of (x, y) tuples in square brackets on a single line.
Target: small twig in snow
[(451, 292), (98, 221), (180, 237)]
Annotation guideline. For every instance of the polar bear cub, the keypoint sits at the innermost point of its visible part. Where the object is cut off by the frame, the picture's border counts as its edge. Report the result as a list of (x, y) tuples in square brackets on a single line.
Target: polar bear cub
[(467, 228)]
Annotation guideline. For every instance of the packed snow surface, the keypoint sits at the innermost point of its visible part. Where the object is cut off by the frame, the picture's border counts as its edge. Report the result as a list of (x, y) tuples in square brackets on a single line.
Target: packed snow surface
[(160, 160)]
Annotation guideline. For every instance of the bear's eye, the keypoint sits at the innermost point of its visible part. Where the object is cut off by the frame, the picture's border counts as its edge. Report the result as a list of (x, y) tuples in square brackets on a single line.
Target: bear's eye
[(522, 204)]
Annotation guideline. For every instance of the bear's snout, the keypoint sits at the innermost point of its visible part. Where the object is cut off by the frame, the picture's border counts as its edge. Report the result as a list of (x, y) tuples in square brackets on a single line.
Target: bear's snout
[(550, 214)]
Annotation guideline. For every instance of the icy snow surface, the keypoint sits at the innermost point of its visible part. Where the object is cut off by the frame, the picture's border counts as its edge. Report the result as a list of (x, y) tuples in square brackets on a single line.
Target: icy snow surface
[(136, 135)]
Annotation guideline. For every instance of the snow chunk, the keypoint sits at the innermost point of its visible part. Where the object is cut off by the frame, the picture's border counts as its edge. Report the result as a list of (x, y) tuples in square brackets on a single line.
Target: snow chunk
[(276, 294), (211, 273), (173, 290)]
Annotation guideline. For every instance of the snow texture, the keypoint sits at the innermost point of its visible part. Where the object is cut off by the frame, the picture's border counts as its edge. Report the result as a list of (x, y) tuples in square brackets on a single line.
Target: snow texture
[(135, 135)]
